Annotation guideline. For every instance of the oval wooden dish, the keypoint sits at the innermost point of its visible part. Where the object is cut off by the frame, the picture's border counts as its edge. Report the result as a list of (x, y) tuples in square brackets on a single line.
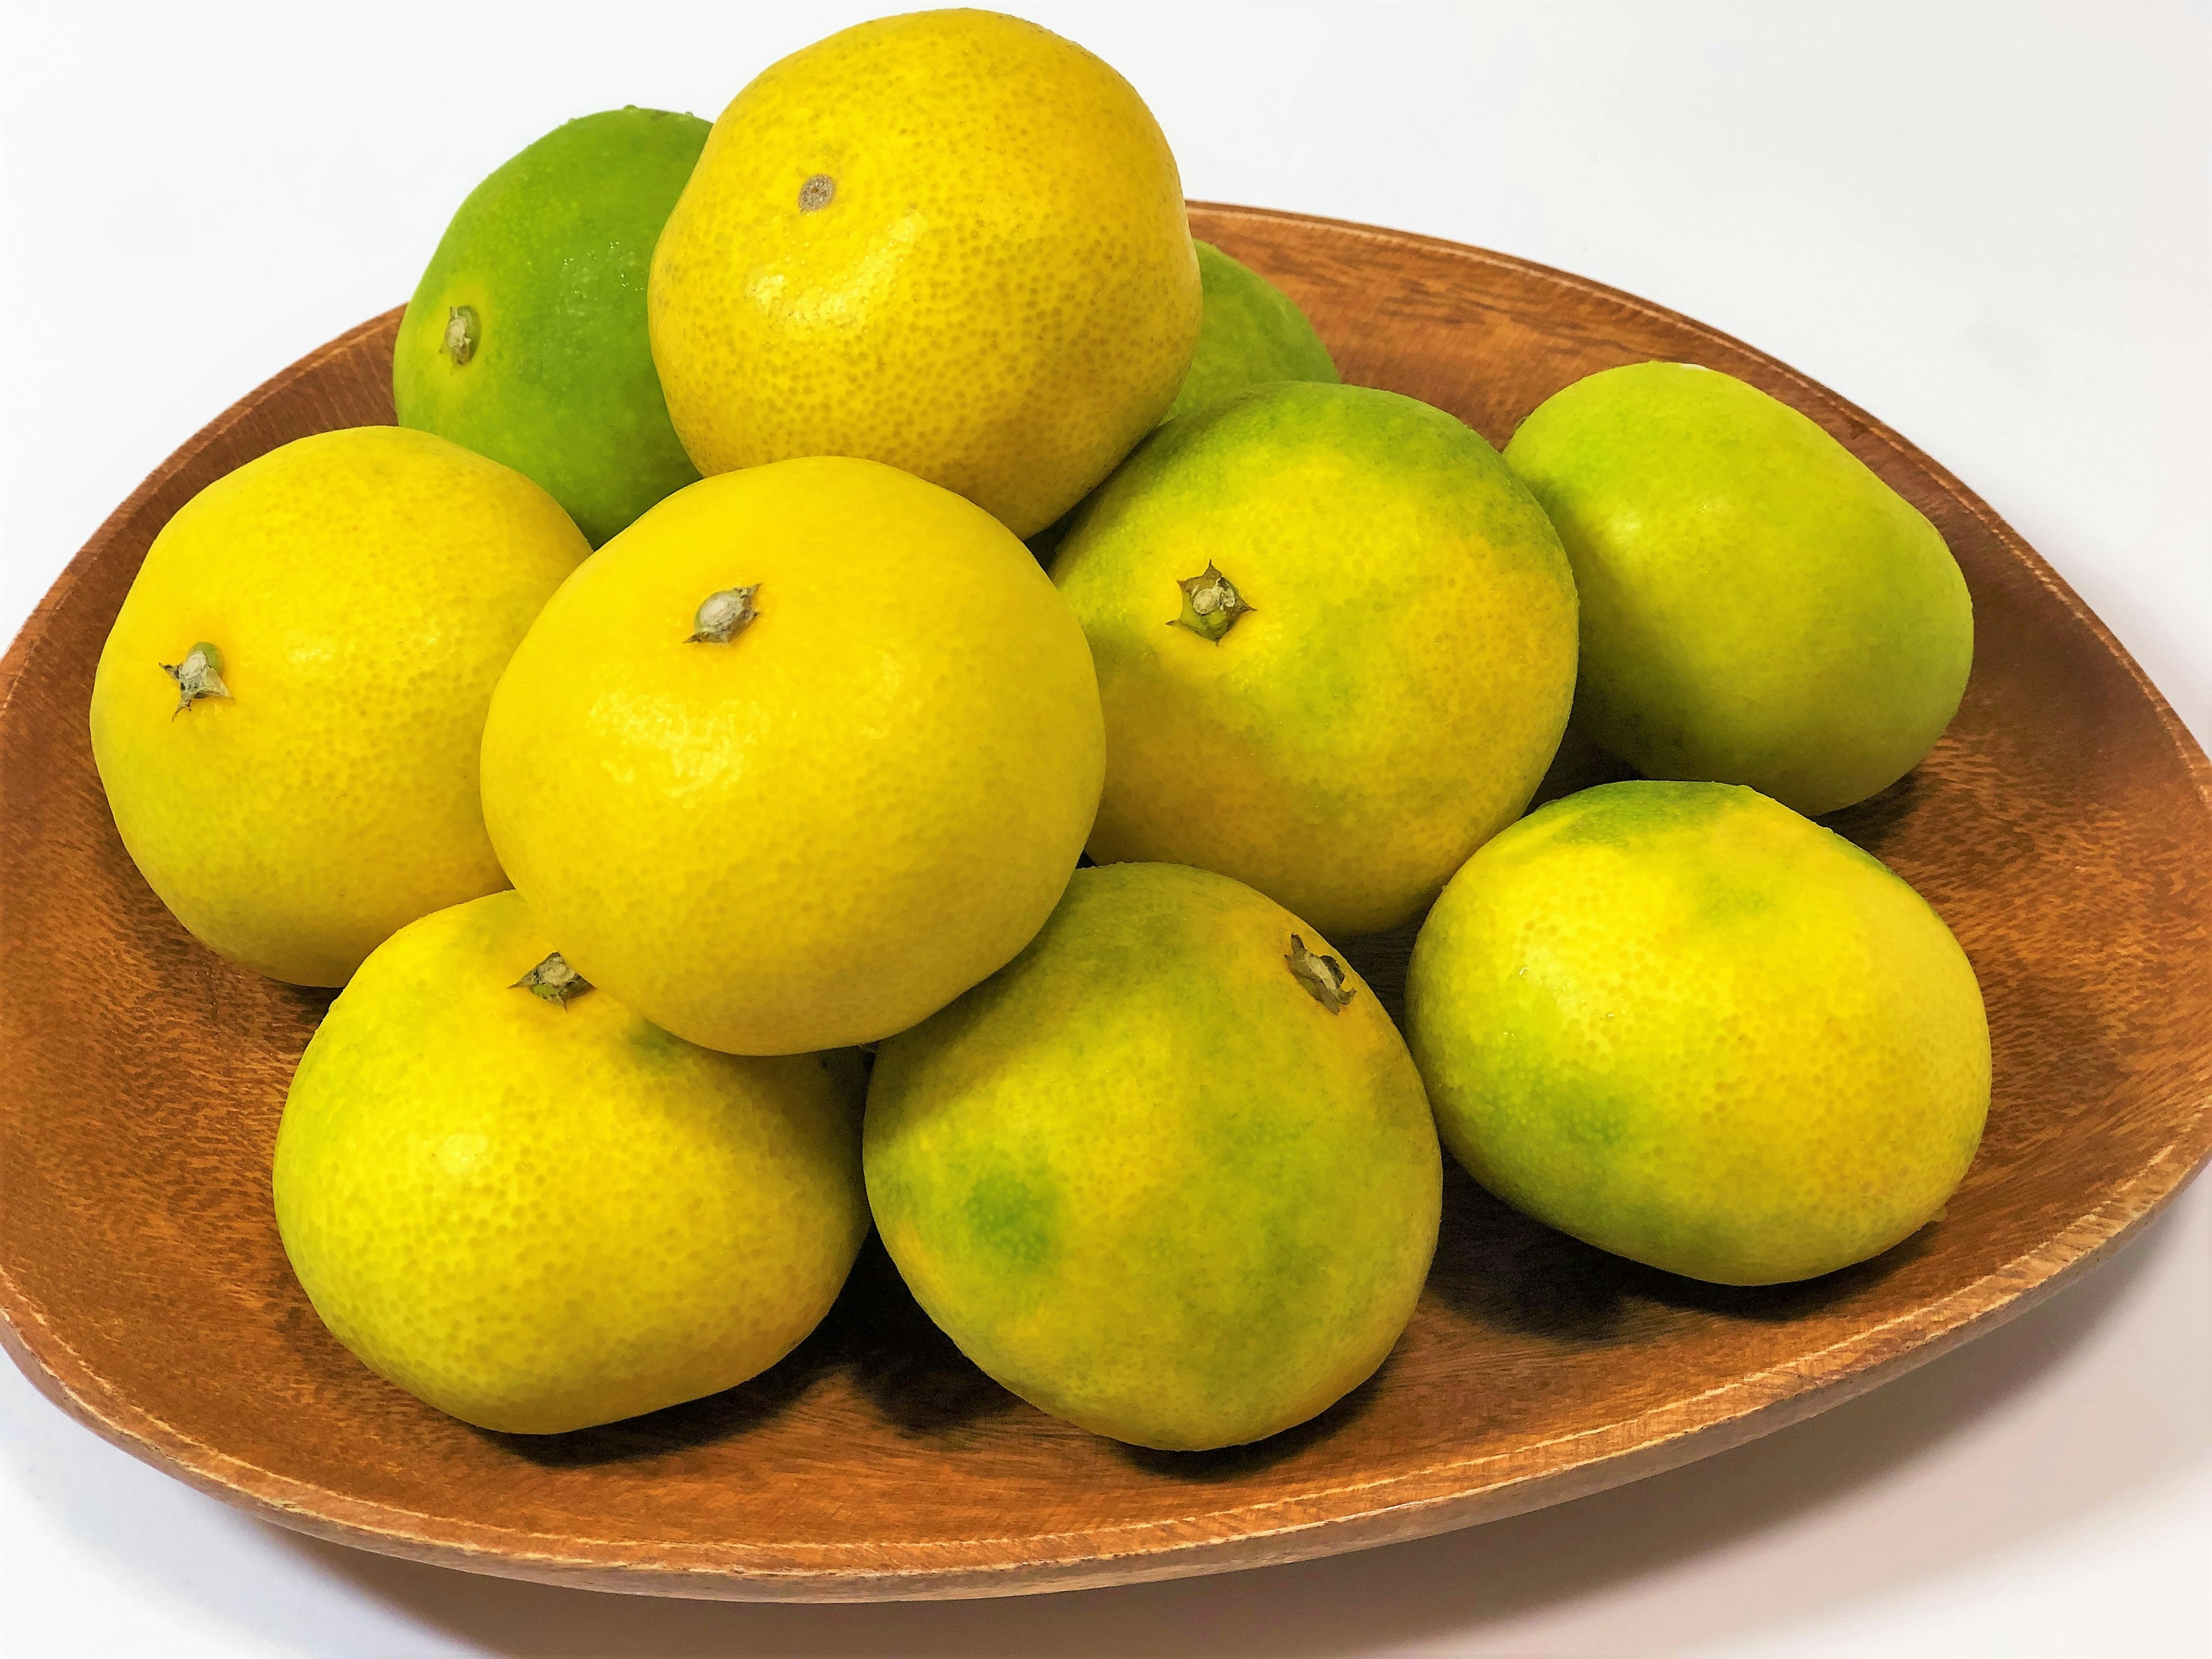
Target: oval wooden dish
[(2061, 827)]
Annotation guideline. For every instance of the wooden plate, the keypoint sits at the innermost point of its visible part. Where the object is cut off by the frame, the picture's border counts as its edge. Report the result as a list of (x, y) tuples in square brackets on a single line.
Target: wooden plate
[(2061, 828)]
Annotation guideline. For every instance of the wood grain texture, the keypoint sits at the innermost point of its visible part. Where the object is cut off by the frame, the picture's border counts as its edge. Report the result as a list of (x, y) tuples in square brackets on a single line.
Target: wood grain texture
[(2061, 828)]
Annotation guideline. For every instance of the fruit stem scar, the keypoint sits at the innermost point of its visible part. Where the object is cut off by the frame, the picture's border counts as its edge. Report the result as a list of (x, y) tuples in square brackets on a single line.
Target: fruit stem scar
[(460, 342), (817, 193), (554, 981), (1211, 604), (1324, 977), (199, 675), (721, 616)]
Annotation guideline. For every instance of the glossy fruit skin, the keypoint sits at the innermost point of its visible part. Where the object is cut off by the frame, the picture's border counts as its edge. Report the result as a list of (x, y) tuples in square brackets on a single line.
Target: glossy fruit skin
[(551, 252), (1250, 333), (1689, 1026), (1395, 693), (828, 828), (1147, 1181), (539, 1217), (992, 287), (365, 588), (1757, 606)]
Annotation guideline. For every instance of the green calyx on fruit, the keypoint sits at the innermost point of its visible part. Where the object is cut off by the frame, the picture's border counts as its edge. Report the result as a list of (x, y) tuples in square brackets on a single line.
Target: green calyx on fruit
[(723, 616), (1211, 604), (199, 675), (1323, 976), (817, 193), (461, 332), (553, 981)]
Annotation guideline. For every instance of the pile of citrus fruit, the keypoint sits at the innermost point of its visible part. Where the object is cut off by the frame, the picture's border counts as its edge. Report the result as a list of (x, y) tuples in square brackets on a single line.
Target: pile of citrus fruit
[(705, 899)]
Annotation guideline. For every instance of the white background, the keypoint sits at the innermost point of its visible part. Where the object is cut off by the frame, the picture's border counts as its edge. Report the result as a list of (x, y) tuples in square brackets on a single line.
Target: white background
[(1989, 224)]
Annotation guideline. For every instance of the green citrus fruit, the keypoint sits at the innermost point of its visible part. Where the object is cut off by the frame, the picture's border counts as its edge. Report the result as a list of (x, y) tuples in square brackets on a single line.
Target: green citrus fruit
[(1690, 1027), (950, 241), (516, 1199), (797, 758), (1249, 332), (287, 711), (1757, 606), (1169, 1174), (1335, 641), (526, 340)]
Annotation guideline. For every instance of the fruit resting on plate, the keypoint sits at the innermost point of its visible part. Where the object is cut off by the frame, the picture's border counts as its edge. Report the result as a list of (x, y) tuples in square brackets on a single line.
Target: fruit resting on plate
[(1690, 1027), (1169, 1175), (805, 757), (287, 711), (525, 339), (1757, 606), (510, 1195), (1336, 641)]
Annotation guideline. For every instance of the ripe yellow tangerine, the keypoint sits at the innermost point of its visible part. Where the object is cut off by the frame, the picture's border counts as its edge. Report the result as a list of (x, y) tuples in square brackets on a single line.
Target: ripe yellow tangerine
[(539, 1217), (950, 241), (361, 591), (824, 827), (1690, 1027)]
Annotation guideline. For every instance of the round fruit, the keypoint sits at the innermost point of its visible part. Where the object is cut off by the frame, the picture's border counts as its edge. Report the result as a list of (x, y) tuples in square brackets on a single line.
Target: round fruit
[(951, 241), (287, 711), (513, 1198), (1757, 606), (1690, 1027), (1335, 643), (797, 758), (1171, 1174), (526, 340), (1250, 333)]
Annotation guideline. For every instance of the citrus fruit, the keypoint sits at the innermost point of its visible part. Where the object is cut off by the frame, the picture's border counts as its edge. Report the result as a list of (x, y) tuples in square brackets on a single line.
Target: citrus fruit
[(513, 1197), (1758, 607), (1690, 1027), (798, 757), (1169, 1174), (1335, 641), (1249, 332), (287, 711), (526, 340), (950, 241)]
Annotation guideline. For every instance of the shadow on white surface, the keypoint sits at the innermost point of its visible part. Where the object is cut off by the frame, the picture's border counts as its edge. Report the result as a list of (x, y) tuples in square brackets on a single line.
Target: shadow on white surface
[(1464, 1586)]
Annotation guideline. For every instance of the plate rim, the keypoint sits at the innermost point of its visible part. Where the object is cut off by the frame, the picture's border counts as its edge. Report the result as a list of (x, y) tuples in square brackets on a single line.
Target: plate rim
[(1436, 1497)]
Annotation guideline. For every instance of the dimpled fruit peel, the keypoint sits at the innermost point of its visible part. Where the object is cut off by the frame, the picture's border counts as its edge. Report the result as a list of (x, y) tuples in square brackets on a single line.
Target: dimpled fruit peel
[(1689, 1026), (1169, 1174), (287, 711), (525, 339), (1757, 606), (797, 758), (1336, 641), (508, 1195), (950, 241)]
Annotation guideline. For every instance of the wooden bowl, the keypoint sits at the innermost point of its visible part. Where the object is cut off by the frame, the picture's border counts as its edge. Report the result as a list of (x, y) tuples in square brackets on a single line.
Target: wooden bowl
[(2061, 828)]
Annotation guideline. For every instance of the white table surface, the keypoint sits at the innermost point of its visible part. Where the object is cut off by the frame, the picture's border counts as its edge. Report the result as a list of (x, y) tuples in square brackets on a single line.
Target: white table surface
[(1990, 225)]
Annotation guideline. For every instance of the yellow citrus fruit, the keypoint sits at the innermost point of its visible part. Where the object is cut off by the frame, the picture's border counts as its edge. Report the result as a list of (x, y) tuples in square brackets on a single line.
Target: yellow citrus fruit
[(1690, 1027), (1169, 1174), (287, 711), (950, 241), (518, 1200), (798, 757), (1335, 641)]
